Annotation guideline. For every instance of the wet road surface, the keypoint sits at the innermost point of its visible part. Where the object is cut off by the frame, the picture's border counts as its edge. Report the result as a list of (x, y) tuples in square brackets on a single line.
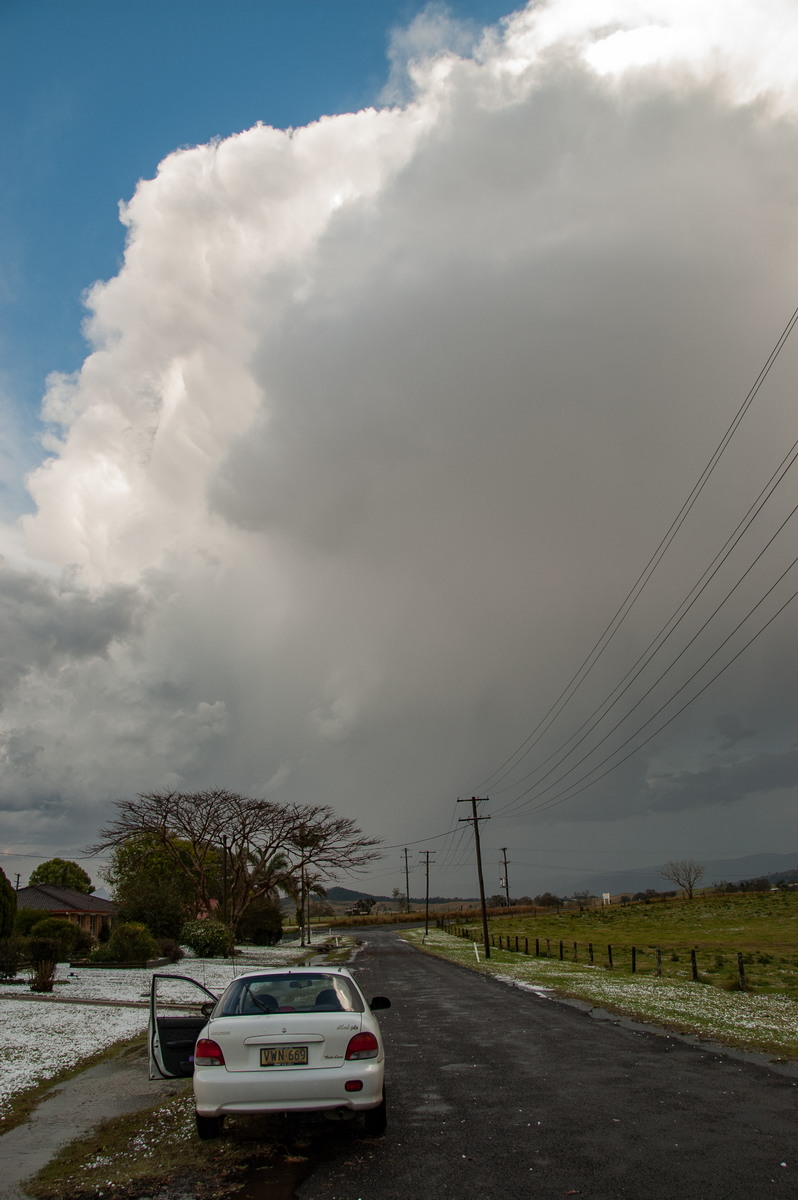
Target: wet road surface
[(494, 1092)]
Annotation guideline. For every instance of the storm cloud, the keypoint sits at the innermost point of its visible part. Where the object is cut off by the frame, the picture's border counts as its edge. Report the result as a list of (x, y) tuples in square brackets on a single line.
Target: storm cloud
[(383, 416)]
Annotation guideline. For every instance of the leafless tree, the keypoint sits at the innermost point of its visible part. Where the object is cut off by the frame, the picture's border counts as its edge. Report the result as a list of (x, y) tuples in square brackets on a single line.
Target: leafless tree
[(684, 872), (235, 849), (322, 845)]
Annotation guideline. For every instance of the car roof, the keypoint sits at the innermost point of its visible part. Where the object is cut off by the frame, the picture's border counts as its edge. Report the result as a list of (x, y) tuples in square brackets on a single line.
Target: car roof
[(288, 970)]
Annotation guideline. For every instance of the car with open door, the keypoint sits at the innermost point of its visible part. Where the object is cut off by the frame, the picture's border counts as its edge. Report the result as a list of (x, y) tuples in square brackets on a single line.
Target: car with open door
[(297, 1039)]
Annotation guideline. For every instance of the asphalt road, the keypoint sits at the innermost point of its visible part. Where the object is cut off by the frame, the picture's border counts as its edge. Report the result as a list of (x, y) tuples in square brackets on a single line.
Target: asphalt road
[(494, 1092)]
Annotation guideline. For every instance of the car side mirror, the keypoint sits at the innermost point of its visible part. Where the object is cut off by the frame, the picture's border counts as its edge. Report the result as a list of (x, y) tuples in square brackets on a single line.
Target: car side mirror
[(380, 1002), (207, 1008)]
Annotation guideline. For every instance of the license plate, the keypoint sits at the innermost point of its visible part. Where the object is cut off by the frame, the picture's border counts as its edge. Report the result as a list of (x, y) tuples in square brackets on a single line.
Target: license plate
[(284, 1056)]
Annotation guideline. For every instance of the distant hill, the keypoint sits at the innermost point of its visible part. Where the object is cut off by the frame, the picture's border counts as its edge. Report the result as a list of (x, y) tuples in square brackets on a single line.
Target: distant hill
[(732, 870), (342, 895)]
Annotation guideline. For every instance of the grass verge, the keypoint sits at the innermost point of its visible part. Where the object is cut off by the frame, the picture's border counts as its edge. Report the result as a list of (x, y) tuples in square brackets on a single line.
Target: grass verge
[(153, 1149), (765, 1023), (155, 1153), (18, 1107)]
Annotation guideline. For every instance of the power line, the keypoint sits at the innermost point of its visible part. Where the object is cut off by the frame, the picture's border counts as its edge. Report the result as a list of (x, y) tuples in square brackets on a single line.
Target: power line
[(668, 668), (562, 796), (632, 596), (679, 614)]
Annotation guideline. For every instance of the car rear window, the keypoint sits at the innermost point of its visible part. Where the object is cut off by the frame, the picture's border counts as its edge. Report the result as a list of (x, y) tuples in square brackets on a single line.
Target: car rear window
[(287, 993)]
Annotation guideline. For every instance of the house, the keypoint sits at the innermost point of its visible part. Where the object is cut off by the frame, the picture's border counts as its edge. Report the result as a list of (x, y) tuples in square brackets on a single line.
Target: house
[(89, 912)]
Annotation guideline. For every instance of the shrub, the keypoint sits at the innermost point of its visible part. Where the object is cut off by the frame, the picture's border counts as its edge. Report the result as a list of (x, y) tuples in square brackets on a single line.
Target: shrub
[(73, 942), (8, 906), (208, 939), (26, 918), (43, 956), (262, 923), (12, 954), (170, 949), (129, 942)]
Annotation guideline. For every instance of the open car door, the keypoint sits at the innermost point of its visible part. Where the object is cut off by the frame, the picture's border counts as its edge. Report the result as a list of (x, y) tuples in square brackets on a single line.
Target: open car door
[(179, 1008)]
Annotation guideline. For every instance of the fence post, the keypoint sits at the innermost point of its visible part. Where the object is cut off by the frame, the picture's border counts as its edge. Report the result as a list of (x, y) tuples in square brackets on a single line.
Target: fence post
[(526, 945), (609, 955), (634, 960), (590, 952), (740, 971), (537, 947), (693, 967), (516, 943), (561, 952), (659, 961), (576, 955), (548, 948)]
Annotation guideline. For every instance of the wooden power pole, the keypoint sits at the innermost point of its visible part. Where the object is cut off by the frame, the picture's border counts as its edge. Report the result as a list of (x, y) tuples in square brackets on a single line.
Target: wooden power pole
[(427, 854), (475, 820), (505, 881)]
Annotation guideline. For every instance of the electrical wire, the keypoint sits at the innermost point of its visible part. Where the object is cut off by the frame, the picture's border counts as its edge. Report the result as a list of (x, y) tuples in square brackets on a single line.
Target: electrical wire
[(560, 797), (606, 637)]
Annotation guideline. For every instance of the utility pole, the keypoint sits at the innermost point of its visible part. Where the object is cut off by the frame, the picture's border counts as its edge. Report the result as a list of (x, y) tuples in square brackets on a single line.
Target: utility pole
[(16, 889), (407, 883), (474, 820), (505, 882), (224, 879), (426, 854)]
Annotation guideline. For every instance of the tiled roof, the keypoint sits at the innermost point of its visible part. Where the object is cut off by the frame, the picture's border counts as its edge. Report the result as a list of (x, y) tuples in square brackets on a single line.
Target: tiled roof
[(49, 898)]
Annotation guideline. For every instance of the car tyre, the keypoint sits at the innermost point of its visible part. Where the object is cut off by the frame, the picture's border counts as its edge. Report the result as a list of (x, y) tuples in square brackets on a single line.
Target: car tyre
[(377, 1118), (209, 1127)]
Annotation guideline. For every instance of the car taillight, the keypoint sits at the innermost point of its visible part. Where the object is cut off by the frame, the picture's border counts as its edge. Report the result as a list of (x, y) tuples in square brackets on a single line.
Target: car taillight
[(208, 1054), (363, 1045)]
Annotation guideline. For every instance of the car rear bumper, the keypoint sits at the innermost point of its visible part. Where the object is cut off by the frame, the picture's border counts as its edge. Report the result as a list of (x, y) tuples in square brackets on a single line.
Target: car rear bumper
[(218, 1091)]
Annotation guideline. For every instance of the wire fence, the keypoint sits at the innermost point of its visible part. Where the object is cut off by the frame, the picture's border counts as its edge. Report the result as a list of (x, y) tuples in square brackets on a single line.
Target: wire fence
[(643, 960)]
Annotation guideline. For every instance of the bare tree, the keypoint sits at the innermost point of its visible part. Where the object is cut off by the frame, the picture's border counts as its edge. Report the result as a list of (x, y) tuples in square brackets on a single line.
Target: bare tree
[(236, 850), (684, 872), (322, 845)]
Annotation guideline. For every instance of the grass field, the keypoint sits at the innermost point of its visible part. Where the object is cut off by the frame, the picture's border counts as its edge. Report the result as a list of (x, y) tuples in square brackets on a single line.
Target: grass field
[(766, 1023), (762, 926)]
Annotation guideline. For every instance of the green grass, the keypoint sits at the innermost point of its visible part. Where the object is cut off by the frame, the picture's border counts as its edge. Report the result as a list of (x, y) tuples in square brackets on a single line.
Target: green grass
[(762, 926)]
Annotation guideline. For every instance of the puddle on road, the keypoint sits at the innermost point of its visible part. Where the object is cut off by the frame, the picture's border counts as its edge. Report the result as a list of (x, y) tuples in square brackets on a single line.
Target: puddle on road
[(298, 1146)]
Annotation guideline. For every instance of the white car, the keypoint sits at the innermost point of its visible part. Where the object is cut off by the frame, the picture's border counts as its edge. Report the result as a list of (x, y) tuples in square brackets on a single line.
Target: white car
[(278, 1040)]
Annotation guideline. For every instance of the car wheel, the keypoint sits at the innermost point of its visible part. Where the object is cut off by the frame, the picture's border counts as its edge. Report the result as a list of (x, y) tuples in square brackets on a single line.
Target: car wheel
[(209, 1127), (377, 1118)]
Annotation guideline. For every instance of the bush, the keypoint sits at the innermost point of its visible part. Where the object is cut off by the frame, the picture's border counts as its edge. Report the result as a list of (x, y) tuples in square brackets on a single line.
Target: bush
[(73, 942), (129, 942), (43, 956), (208, 939), (12, 955), (170, 949), (26, 918), (262, 923), (8, 906)]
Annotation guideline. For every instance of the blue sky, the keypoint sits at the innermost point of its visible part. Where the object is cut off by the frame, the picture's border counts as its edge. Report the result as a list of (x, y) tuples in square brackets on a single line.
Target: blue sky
[(378, 423), (94, 93)]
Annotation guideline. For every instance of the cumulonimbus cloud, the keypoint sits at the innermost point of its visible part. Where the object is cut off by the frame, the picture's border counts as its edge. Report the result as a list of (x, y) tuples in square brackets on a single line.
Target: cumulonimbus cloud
[(382, 415)]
